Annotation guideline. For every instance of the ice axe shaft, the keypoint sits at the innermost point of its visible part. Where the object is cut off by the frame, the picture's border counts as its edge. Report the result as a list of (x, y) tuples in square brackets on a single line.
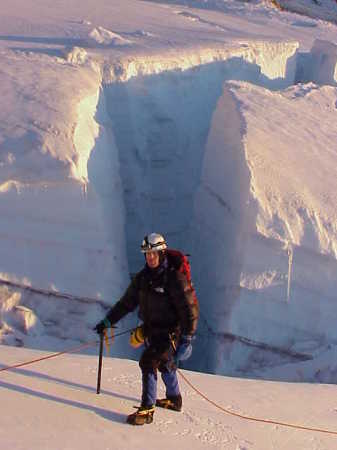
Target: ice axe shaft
[(100, 360)]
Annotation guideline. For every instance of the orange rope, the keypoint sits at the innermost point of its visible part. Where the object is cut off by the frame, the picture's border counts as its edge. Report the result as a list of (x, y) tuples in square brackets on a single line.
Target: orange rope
[(52, 355), (268, 421)]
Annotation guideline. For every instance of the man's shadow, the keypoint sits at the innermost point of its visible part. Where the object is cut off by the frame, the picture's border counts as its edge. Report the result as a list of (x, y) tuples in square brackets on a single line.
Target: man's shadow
[(70, 384), (108, 415)]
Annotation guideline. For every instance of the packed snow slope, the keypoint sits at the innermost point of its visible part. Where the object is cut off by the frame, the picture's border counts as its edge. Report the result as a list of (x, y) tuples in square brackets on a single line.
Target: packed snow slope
[(53, 404), (213, 123)]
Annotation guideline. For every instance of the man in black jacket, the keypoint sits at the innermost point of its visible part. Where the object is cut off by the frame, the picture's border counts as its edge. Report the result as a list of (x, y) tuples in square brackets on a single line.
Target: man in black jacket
[(169, 311)]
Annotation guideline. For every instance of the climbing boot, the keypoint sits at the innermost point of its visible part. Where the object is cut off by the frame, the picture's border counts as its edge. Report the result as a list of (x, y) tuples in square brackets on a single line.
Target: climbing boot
[(144, 414), (174, 402)]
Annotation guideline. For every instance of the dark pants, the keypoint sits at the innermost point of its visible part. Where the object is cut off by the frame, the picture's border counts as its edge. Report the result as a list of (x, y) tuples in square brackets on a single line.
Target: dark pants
[(158, 355)]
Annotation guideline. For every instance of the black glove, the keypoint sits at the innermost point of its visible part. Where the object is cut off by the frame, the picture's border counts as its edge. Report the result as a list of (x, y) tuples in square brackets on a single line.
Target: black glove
[(184, 349), (102, 325)]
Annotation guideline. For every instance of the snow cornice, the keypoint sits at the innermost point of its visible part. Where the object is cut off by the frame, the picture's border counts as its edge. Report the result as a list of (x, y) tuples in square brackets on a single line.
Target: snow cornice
[(270, 56)]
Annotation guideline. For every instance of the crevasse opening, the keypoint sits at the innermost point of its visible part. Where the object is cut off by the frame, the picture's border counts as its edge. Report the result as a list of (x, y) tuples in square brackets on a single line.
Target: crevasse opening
[(174, 155), (178, 137)]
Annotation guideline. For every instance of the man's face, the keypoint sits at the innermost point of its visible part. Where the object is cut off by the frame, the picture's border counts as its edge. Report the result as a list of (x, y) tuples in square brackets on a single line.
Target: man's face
[(152, 259)]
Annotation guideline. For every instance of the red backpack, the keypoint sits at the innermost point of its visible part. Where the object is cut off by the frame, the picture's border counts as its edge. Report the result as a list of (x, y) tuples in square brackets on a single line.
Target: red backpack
[(181, 263)]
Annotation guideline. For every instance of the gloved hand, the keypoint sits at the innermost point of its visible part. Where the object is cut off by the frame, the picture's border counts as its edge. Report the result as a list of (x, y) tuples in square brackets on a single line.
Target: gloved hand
[(184, 349), (102, 325)]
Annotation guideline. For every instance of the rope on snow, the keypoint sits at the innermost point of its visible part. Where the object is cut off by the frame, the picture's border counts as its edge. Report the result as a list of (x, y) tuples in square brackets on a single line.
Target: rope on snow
[(216, 405)]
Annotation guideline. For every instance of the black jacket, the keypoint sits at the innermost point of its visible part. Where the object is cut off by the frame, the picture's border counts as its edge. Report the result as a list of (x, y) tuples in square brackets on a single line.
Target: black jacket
[(166, 301)]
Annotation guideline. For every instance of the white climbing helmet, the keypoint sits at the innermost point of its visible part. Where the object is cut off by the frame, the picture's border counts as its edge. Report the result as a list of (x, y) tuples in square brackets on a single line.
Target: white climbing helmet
[(153, 242)]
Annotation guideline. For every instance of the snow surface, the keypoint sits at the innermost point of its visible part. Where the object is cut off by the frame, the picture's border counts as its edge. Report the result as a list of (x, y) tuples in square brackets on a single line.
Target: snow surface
[(53, 404), (213, 122)]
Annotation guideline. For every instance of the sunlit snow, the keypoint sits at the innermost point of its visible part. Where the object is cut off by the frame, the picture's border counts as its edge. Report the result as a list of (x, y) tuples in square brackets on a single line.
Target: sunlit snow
[(211, 122)]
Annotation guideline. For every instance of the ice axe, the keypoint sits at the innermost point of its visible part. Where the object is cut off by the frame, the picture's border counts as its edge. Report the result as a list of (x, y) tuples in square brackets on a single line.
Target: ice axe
[(102, 336), (100, 360)]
